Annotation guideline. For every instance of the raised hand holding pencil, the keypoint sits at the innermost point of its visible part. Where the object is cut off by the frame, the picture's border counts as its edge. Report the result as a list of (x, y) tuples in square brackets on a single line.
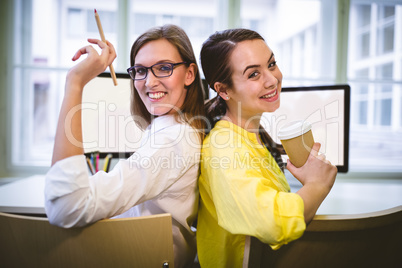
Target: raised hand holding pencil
[(102, 35)]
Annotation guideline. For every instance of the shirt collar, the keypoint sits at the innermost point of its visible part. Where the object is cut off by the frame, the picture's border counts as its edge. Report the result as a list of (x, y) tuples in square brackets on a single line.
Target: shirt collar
[(239, 130), (161, 122)]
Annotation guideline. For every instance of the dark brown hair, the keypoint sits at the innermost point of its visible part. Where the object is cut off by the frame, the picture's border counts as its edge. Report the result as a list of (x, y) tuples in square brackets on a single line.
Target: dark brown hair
[(193, 106), (215, 62)]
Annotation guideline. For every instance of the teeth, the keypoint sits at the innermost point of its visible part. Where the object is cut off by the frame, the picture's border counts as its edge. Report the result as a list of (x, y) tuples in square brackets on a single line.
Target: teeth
[(269, 95), (156, 95)]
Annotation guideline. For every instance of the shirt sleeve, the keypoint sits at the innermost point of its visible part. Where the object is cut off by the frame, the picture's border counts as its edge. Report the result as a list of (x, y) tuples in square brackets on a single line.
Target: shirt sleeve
[(73, 198), (248, 203)]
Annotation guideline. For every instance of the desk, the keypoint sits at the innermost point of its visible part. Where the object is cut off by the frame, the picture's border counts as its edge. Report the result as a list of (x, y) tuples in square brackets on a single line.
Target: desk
[(348, 196), (357, 195), (24, 196)]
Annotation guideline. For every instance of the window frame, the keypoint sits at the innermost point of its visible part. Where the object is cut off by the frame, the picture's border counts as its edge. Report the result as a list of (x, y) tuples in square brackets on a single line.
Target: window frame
[(228, 20)]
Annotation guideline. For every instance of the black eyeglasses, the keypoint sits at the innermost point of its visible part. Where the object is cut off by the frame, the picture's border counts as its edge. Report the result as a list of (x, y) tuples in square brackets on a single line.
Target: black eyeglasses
[(159, 70)]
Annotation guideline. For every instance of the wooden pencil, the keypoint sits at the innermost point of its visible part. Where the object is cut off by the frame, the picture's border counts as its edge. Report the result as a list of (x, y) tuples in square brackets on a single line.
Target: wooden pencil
[(98, 22)]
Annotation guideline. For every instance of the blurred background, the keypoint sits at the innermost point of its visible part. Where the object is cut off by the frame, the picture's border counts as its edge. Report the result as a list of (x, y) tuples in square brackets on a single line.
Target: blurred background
[(316, 42)]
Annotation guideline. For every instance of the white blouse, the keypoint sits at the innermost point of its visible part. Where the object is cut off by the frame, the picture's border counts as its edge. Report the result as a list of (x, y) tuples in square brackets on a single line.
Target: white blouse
[(160, 177)]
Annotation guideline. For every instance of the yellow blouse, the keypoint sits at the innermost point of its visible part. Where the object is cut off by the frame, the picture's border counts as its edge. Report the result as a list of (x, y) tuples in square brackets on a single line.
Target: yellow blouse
[(243, 193)]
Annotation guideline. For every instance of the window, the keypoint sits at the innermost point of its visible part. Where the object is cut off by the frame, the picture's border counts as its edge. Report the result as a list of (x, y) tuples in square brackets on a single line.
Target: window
[(47, 35), (301, 39), (198, 18), (143, 21), (359, 106), (362, 17), (386, 29), (302, 33), (75, 21), (375, 75)]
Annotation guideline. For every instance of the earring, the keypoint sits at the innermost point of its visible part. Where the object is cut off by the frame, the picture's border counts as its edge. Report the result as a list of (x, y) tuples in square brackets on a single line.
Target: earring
[(227, 97)]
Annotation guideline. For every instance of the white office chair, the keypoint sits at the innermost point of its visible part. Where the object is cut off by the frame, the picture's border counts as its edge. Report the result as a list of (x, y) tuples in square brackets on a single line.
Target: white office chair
[(360, 240), (129, 242)]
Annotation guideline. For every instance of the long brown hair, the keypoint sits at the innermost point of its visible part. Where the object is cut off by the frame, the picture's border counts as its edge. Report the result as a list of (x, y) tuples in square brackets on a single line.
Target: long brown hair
[(215, 62), (193, 106)]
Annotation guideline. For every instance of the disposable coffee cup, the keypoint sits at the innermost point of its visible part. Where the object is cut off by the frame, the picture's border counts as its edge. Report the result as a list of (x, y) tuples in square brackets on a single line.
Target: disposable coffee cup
[(297, 140)]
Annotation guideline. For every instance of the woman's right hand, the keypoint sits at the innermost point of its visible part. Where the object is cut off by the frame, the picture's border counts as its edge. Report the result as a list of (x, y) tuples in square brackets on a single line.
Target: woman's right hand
[(316, 170), (317, 176), (92, 65)]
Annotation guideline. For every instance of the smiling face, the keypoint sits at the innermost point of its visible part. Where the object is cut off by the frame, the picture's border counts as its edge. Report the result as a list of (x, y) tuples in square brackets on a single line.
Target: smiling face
[(256, 79), (163, 95)]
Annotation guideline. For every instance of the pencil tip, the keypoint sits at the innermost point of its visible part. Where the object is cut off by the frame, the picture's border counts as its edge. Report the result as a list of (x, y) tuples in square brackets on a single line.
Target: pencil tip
[(95, 10)]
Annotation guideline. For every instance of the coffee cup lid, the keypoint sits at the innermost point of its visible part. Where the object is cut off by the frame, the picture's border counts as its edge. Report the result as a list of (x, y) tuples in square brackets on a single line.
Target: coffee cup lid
[(293, 129)]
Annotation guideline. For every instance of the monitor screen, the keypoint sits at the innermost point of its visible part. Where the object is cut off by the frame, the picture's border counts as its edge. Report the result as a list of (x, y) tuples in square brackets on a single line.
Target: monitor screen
[(108, 125), (326, 108)]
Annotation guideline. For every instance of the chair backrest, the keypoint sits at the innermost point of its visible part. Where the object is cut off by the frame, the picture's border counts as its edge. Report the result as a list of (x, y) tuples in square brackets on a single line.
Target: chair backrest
[(361, 240), (129, 242)]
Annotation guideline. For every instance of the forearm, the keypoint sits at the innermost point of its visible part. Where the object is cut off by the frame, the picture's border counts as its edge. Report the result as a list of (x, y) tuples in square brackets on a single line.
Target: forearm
[(317, 176), (68, 140), (312, 194), (259, 210)]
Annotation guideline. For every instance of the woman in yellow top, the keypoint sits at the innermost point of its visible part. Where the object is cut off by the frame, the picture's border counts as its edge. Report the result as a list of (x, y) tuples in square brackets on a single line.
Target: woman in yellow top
[(243, 189)]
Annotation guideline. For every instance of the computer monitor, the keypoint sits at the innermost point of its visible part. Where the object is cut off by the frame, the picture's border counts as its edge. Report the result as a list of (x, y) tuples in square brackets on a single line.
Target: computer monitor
[(108, 125), (327, 108)]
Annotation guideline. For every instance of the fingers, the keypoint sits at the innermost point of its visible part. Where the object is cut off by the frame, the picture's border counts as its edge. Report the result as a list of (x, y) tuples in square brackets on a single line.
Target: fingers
[(321, 157), (98, 42), (289, 164), (108, 52), (82, 51), (315, 149), (102, 44), (318, 155), (292, 168), (88, 49), (110, 45)]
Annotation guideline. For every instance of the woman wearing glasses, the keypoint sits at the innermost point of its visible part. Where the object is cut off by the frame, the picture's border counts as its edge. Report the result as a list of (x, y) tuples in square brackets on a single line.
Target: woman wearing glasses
[(161, 176)]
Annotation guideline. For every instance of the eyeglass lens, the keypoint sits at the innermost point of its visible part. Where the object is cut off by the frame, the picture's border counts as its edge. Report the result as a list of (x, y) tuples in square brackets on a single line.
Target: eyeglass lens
[(159, 70)]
